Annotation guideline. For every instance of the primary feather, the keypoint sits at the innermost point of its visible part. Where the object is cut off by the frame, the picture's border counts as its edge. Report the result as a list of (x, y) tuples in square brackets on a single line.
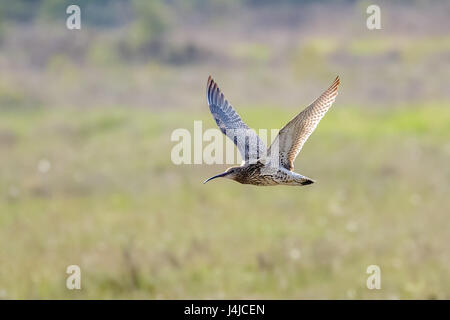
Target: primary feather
[(294, 134), (230, 123)]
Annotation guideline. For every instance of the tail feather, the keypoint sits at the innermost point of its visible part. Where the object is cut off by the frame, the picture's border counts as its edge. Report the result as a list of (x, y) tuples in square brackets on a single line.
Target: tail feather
[(307, 181)]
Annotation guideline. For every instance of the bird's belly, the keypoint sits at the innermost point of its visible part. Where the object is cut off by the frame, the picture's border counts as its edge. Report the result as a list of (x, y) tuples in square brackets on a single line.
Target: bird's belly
[(283, 178), (268, 176), (259, 180), (268, 180)]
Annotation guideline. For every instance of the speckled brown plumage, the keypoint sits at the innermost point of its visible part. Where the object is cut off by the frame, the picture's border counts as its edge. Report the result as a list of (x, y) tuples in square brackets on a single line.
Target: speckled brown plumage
[(273, 166)]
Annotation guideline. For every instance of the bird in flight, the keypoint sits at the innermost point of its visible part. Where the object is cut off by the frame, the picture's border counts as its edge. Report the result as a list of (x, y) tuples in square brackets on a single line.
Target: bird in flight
[(275, 165)]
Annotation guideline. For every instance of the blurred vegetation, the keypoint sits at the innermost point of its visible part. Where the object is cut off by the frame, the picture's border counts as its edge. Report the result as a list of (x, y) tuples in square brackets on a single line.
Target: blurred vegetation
[(140, 227), (85, 123)]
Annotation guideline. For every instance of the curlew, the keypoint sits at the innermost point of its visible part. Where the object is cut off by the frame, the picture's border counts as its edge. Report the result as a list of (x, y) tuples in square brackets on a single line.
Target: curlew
[(275, 165)]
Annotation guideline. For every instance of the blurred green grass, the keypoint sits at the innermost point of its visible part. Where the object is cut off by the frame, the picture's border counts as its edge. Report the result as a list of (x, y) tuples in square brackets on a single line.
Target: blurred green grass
[(140, 227)]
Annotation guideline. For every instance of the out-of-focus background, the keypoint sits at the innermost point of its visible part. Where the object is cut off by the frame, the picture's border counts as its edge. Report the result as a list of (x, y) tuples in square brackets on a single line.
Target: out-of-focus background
[(86, 176)]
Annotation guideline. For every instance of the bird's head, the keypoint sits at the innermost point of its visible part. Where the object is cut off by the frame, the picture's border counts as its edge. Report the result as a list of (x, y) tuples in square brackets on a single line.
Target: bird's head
[(230, 173)]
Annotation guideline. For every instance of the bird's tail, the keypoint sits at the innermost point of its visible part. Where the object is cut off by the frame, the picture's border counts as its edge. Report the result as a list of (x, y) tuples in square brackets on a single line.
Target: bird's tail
[(304, 181)]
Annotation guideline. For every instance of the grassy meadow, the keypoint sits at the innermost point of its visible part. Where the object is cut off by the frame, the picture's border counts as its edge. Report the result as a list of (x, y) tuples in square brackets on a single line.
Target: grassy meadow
[(112, 202), (86, 177)]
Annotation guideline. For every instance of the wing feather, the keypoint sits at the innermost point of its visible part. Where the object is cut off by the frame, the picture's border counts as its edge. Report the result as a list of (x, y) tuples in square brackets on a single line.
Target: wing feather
[(294, 134), (230, 123)]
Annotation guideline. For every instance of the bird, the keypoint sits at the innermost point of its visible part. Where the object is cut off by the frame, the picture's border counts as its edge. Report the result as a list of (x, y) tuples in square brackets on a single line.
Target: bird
[(275, 165)]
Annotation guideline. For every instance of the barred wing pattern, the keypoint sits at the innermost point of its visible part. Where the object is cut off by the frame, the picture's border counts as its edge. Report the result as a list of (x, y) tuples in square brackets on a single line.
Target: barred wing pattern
[(294, 134), (230, 123)]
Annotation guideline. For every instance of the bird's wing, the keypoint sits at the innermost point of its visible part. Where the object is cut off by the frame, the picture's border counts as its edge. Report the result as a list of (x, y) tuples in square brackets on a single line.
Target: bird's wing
[(230, 123), (294, 134)]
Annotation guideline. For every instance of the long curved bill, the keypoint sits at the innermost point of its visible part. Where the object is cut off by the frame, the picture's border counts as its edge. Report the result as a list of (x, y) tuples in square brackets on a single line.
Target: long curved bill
[(216, 176)]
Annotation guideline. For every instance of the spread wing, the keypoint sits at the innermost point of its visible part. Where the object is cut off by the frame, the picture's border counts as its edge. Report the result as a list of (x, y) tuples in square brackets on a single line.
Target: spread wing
[(230, 123), (294, 134)]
